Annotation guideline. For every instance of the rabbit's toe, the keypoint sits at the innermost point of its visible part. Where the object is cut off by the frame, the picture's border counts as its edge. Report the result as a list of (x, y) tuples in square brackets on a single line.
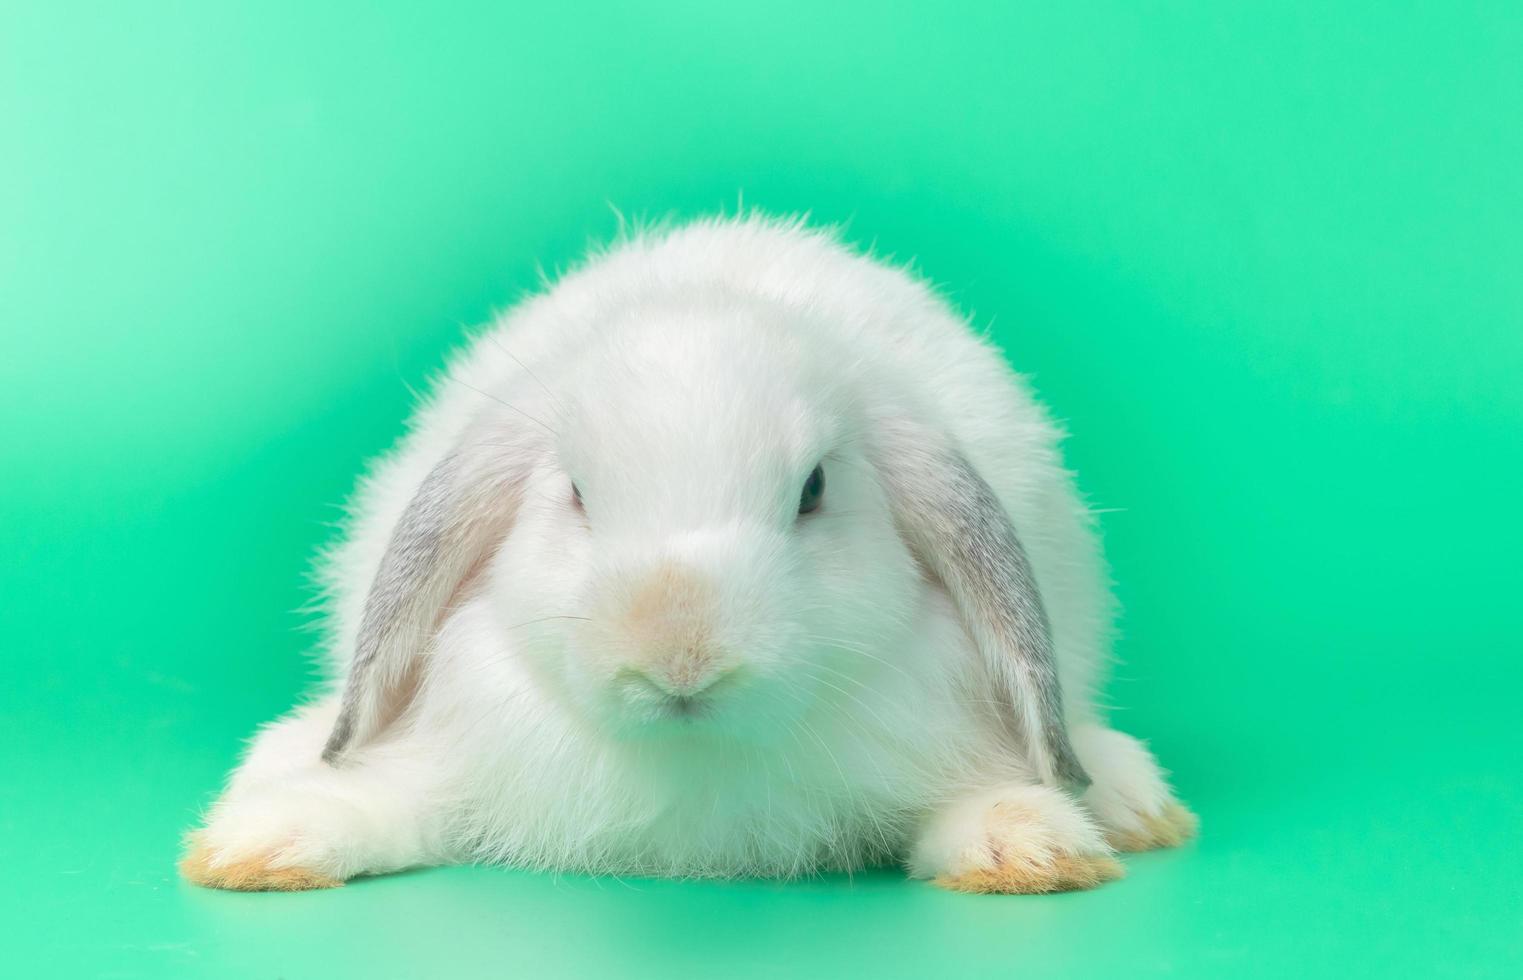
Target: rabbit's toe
[(279, 839), (1129, 795), (1014, 840), (1059, 873), (1169, 826), (204, 865)]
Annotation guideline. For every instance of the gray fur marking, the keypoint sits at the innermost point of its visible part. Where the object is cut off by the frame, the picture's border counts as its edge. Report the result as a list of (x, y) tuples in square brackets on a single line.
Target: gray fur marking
[(969, 540), (400, 585)]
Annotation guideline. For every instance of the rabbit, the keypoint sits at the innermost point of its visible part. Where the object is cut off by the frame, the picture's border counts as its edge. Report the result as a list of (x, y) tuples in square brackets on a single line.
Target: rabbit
[(735, 552)]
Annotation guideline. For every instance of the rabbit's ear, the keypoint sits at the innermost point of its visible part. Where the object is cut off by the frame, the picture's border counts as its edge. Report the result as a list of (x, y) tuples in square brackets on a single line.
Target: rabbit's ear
[(958, 529), (460, 513)]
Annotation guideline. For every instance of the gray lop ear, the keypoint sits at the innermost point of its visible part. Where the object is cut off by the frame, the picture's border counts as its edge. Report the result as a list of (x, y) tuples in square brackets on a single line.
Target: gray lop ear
[(960, 531), (459, 514)]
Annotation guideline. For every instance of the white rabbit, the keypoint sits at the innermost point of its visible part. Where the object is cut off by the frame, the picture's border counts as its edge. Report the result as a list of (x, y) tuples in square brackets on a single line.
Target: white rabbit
[(705, 563)]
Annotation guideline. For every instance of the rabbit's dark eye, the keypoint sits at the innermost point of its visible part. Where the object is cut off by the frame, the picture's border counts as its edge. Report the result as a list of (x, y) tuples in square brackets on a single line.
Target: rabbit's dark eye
[(814, 491), (576, 497)]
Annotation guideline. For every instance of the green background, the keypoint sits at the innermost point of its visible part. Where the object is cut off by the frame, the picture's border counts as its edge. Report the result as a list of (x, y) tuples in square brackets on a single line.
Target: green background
[(1266, 259)]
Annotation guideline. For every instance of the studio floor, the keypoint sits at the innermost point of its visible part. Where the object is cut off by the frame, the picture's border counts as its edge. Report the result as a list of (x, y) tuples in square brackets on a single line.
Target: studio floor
[(1359, 849)]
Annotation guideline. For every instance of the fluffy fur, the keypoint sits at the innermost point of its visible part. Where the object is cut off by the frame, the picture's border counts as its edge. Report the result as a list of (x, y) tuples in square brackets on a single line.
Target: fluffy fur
[(671, 672)]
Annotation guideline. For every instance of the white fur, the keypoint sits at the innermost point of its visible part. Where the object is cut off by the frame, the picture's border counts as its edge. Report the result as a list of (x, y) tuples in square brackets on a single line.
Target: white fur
[(1016, 823), (687, 380)]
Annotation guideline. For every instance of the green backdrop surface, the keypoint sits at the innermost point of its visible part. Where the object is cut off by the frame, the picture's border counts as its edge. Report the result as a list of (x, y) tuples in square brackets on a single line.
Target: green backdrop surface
[(1263, 258)]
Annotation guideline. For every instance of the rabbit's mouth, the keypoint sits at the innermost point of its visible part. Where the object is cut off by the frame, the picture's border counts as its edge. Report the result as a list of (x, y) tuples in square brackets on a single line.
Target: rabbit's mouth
[(686, 707)]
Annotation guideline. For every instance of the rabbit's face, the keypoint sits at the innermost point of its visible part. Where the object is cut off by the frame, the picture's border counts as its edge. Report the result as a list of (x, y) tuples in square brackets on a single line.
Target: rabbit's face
[(706, 550)]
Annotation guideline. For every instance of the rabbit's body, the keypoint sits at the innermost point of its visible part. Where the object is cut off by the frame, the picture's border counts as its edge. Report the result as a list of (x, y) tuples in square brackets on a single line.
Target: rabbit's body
[(513, 734)]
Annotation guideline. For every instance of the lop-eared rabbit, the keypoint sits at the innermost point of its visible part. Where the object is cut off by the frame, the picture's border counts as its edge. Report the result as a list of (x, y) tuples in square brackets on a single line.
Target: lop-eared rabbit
[(735, 552)]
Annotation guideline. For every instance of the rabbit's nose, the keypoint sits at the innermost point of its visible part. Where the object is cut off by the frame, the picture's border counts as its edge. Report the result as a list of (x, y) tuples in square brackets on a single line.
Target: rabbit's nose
[(687, 696), (685, 678)]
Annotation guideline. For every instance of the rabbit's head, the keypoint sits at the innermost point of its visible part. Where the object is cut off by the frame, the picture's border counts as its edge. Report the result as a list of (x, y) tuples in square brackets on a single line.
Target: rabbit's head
[(697, 523), (702, 544)]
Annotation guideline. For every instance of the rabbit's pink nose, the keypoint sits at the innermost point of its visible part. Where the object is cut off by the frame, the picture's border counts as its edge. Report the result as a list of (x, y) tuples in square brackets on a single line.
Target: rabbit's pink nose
[(686, 698), (683, 679)]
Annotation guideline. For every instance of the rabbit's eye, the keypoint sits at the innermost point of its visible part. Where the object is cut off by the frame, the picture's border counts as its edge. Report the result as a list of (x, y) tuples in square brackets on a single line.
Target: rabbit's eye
[(576, 497), (814, 491)]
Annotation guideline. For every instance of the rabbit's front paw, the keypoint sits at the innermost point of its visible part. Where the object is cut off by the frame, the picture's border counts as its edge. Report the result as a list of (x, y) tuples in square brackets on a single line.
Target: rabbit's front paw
[(266, 842), (1015, 840), (204, 865)]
